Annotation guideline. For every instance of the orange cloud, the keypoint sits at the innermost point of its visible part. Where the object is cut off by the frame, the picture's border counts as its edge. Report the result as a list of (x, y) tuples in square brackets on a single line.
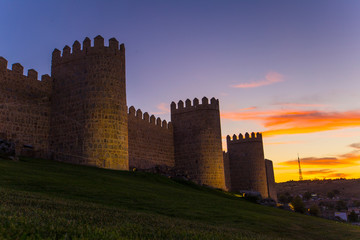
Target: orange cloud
[(280, 122), (163, 108), (355, 145), (300, 105), (249, 108), (282, 143), (338, 175), (317, 172), (325, 173), (326, 167), (348, 159), (270, 78)]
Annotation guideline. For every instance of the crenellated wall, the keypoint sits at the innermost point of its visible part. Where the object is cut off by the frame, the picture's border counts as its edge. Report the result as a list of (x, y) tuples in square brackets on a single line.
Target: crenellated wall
[(80, 115), (197, 141), (151, 141), (89, 122), (24, 107), (247, 163)]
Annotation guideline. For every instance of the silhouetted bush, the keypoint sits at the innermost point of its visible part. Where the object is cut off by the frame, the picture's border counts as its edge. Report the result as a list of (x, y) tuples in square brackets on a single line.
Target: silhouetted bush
[(254, 197), (285, 198), (353, 217), (307, 196), (298, 205), (330, 195), (314, 210), (340, 205)]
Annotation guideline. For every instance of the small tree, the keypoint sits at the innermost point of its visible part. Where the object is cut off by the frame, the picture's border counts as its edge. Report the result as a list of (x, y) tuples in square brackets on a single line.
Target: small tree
[(330, 195), (307, 196), (357, 203), (336, 192), (340, 205), (253, 197), (314, 210), (298, 205), (285, 198), (282, 198), (353, 217)]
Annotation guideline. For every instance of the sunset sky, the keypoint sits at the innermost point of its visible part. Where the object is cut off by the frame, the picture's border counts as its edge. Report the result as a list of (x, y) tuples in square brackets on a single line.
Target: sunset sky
[(289, 69)]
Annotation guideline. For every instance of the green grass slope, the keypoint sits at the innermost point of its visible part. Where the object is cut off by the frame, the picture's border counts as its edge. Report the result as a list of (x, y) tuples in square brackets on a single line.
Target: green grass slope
[(42, 199)]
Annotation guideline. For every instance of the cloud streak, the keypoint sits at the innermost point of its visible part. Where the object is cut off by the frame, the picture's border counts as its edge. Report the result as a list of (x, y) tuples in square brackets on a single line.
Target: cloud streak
[(281, 122), (283, 143), (300, 105), (163, 109), (317, 172), (310, 121), (249, 108), (355, 145), (338, 175), (325, 173), (344, 160), (270, 78), (326, 167)]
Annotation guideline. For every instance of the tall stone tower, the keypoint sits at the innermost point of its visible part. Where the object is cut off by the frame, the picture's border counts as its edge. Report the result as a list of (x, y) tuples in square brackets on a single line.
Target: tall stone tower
[(89, 123), (197, 141), (247, 164)]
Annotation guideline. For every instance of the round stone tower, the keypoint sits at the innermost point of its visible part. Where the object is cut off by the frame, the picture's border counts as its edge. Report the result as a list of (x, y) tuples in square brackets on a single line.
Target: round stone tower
[(89, 114), (247, 164), (197, 141)]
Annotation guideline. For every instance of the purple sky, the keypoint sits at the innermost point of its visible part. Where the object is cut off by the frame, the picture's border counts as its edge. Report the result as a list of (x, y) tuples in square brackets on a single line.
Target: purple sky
[(301, 55)]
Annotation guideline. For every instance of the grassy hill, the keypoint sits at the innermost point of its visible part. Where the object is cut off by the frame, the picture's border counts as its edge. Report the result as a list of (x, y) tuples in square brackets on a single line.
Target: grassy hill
[(42, 199), (348, 188)]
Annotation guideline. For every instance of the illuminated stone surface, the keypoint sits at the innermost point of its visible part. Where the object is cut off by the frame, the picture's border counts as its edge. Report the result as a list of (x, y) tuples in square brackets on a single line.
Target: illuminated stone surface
[(80, 115)]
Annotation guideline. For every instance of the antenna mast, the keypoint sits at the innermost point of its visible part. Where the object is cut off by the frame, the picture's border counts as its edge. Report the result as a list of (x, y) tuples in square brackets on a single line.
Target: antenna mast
[(300, 173)]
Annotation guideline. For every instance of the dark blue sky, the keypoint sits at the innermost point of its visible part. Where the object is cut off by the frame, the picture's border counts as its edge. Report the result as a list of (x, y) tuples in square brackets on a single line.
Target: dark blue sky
[(173, 42)]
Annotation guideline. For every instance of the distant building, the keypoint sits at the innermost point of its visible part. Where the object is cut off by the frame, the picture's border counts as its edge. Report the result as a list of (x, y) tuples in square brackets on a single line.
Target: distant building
[(341, 215), (355, 209)]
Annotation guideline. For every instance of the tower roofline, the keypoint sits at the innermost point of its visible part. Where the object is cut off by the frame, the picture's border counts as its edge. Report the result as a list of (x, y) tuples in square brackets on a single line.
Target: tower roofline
[(205, 104), (247, 138), (76, 50)]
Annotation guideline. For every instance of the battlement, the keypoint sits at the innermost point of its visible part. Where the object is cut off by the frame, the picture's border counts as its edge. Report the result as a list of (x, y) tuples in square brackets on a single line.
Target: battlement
[(17, 68), (248, 138), (214, 104), (152, 120), (98, 47), (3, 64)]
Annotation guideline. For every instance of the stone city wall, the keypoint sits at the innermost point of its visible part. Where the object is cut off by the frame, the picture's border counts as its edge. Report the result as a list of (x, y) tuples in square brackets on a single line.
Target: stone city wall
[(80, 115), (25, 108), (151, 141)]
